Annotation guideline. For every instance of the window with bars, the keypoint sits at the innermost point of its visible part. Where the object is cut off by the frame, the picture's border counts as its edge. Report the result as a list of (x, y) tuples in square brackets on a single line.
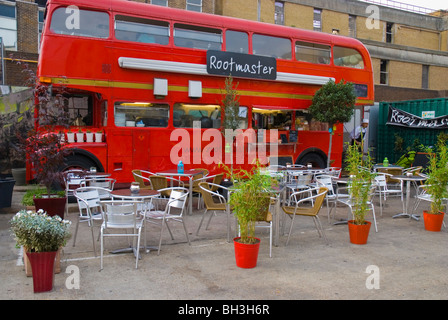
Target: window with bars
[(352, 26), (279, 12), (163, 3), (425, 76), (384, 72), (194, 5), (317, 20)]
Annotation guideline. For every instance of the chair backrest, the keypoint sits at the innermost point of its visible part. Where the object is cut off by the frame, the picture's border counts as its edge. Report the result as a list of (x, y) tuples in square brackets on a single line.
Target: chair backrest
[(120, 213), (209, 193), (319, 200), (158, 182), (325, 181), (88, 198), (178, 199), (380, 180), (141, 176), (74, 179)]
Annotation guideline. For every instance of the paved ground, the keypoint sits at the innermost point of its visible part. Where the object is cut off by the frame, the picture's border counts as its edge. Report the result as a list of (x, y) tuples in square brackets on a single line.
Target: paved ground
[(407, 262)]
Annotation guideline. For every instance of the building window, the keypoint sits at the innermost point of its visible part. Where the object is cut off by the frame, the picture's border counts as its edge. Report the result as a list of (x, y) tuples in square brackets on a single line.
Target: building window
[(279, 12), (384, 72), (352, 26), (8, 26), (389, 32), (160, 2), (40, 24), (425, 77), (317, 20), (194, 5)]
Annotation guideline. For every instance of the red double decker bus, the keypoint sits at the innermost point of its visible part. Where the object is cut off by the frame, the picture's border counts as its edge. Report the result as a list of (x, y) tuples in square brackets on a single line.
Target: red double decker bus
[(140, 72)]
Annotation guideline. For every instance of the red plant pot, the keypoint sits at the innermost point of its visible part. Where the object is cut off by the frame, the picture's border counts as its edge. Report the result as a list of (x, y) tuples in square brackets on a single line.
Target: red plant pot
[(433, 222), (358, 233), (42, 265), (246, 255), (53, 206)]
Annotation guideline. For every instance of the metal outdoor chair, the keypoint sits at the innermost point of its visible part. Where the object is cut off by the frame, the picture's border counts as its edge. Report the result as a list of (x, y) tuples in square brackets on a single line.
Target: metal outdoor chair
[(119, 215), (300, 209), (173, 211), (214, 201)]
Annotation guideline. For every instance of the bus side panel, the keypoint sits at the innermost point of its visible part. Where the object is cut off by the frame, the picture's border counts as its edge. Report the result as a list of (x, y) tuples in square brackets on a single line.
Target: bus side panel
[(120, 149)]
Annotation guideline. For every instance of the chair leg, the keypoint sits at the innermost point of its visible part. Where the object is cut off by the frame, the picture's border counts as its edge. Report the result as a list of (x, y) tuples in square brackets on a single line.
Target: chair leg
[(200, 223), (186, 232), (270, 239), (76, 232), (93, 239), (319, 224), (138, 248), (161, 233), (374, 217), (290, 229), (102, 249)]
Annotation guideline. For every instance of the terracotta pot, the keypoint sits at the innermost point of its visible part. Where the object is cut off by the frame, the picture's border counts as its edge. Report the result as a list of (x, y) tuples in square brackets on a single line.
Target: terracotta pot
[(433, 222), (42, 264), (358, 233), (246, 255), (53, 206)]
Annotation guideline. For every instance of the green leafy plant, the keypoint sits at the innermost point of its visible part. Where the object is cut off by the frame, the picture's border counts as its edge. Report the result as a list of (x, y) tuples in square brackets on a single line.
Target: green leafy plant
[(38, 192), (333, 103), (360, 182), (250, 199), (39, 232), (437, 182)]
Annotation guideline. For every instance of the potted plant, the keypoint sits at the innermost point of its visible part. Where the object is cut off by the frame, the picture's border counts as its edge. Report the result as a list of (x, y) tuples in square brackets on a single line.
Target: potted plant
[(99, 136), (359, 185), (41, 236), (70, 136), (249, 201), (333, 103), (436, 185), (80, 136), (89, 135)]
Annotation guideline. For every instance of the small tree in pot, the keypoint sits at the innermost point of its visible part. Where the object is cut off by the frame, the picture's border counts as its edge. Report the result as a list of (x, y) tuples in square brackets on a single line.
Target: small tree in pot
[(333, 103), (249, 201), (436, 185)]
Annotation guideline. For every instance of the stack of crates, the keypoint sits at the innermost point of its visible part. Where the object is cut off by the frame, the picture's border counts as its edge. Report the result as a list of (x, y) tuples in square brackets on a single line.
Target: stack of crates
[(387, 133)]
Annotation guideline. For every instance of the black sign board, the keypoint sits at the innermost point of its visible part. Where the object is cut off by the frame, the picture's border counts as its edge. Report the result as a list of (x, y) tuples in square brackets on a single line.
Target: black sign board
[(292, 135), (241, 65), (397, 117)]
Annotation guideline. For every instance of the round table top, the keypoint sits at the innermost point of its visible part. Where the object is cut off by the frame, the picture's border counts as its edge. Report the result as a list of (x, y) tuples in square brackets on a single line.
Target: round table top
[(411, 178), (142, 193)]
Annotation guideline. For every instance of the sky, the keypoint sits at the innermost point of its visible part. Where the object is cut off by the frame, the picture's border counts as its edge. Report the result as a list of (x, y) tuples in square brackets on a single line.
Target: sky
[(431, 4)]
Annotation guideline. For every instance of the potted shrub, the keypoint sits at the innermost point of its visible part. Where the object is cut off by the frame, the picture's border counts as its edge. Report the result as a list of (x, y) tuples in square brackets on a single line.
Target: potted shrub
[(70, 136), (249, 200), (41, 236), (359, 185), (436, 185), (80, 136), (89, 135), (99, 136)]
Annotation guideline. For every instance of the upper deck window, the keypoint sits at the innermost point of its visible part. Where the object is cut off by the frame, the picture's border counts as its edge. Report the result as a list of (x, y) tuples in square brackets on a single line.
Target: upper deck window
[(237, 41), (197, 37), (141, 30), (271, 46), (313, 52), (79, 22), (347, 57)]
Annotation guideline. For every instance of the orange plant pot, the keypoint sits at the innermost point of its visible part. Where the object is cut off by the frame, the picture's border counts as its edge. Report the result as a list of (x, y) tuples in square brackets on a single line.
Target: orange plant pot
[(358, 233), (433, 222)]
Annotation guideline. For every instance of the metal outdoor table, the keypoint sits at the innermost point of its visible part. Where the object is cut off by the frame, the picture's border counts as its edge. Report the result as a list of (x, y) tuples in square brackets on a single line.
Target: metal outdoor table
[(408, 180), (190, 174)]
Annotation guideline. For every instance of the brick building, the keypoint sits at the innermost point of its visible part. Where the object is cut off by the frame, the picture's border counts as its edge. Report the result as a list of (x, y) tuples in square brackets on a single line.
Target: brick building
[(409, 49)]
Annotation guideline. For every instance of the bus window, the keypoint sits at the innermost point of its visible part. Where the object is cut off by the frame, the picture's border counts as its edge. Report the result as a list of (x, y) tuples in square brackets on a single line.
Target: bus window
[(271, 119), (237, 41), (84, 23), (207, 116), (347, 57), (271, 46), (197, 37), (141, 30), (80, 110), (141, 114), (313, 52)]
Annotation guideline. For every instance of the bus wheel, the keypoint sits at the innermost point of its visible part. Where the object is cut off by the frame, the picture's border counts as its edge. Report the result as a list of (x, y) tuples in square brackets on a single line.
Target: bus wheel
[(316, 160), (78, 162)]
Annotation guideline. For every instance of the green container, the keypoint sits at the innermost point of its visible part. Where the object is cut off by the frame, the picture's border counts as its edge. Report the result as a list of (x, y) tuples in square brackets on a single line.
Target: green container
[(388, 142)]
